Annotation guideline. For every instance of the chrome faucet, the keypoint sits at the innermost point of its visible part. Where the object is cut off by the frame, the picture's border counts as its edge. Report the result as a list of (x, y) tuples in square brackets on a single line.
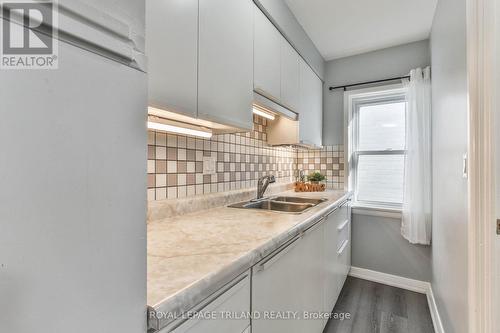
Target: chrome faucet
[(262, 185)]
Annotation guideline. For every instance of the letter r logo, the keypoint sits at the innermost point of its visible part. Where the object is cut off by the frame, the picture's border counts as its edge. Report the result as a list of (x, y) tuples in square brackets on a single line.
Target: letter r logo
[(27, 28)]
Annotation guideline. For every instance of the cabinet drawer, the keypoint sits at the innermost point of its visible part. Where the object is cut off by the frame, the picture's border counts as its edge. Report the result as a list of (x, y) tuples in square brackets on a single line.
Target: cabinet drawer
[(234, 299)]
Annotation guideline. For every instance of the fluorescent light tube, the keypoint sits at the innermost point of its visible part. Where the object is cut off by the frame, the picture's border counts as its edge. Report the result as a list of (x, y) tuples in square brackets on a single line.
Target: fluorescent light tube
[(179, 130), (263, 114)]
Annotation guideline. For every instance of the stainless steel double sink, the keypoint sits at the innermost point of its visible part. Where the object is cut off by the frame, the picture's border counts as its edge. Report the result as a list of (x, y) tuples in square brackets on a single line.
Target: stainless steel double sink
[(280, 204)]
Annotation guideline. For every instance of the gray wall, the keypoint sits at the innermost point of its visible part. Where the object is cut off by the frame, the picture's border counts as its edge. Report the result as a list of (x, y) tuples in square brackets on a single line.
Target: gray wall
[(283, 18), (377, 244), (72, 197), (449, 119), (381, 64)]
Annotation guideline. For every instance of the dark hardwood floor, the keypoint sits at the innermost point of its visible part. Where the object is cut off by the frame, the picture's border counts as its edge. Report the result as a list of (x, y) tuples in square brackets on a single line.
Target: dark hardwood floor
[(377, 308)]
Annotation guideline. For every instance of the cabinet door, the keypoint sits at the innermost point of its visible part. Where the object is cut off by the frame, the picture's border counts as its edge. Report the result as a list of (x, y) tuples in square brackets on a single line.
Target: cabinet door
[(172, 51), (332, 263), (236, 300), (277, 286), (313, 266), (225, 75), (311, 106), (290, 78), (267, 48)]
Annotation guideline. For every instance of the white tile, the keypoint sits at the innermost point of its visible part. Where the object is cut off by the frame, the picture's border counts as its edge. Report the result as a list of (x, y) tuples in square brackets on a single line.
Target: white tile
[(190, 190), (199, 189), (171, 166), (181, 179), (181, 191), (151, 166), (161, 180), (161, 193), (191, 167), (199, 179), (172, 192), (151, 194)]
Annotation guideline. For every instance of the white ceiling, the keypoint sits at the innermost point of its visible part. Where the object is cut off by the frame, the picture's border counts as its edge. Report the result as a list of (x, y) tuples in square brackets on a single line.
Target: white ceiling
[(341, 28)]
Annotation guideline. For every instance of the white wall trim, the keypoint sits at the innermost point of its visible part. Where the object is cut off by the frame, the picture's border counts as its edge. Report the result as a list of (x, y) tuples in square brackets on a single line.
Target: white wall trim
[(379, 212), (418, 286), (481, 190), (391, 280), (436, 319)]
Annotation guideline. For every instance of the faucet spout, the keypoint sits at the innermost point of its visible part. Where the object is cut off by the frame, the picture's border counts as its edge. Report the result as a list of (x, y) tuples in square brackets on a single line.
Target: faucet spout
[(262, 185)]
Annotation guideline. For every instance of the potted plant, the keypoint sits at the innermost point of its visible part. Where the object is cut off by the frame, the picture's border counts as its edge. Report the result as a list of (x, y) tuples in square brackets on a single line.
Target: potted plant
[(316, 177)]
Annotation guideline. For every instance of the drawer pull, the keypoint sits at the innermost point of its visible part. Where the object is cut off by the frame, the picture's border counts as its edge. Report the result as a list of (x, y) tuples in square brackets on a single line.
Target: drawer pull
[(343, 225), (342, 248)]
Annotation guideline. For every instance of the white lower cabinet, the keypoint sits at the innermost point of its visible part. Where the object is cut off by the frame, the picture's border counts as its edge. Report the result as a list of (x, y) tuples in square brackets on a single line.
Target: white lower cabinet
[(294, 287), (287, 287), (277, 284), (227, 306), (291, 289), (332, 265)]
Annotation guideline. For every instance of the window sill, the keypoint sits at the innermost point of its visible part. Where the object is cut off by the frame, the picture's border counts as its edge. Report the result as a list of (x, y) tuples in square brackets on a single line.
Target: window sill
[(361, 209)]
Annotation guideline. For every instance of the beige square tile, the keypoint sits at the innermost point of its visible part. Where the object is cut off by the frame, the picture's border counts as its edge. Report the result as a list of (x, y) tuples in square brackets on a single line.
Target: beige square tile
[(161, 153), (172, 140), (151, 137), (181, 154), (172, 179), (191, 143), (161, 166), (161, 139), (191, 167)]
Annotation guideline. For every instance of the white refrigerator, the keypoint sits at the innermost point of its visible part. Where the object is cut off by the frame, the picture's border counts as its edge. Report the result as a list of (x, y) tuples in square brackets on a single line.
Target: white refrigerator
[(73, 145)]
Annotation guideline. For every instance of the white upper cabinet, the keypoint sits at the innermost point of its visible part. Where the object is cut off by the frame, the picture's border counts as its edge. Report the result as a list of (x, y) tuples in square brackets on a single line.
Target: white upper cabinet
[(311, 106), (290, 78), (172, 51), (267, 59), (225, 73)]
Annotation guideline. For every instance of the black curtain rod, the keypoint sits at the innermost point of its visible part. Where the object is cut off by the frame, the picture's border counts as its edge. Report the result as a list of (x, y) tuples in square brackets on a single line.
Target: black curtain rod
[(369, 82)]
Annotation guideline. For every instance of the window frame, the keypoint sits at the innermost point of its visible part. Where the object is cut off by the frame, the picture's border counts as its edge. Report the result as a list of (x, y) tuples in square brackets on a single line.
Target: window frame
[(354, 99)]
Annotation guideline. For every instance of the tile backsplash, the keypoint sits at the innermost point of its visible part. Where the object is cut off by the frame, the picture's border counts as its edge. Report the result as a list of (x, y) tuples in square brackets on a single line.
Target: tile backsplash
[(175, 162)]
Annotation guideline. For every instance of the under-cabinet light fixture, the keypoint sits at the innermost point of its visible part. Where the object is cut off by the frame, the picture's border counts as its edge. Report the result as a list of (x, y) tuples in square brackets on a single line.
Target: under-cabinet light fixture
[(178, 129), (260, 111)]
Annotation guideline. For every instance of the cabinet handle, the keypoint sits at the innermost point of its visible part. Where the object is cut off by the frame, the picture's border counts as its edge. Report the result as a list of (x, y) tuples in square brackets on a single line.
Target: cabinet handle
[(271, 259), (342, 248), (343, 225)]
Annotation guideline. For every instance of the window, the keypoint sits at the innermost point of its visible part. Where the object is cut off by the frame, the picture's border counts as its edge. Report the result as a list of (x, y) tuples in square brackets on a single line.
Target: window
[(377, 147)]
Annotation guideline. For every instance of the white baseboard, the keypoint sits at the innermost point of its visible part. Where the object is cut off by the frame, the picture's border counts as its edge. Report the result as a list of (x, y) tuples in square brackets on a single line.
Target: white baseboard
[(403, 283), (436, 319)]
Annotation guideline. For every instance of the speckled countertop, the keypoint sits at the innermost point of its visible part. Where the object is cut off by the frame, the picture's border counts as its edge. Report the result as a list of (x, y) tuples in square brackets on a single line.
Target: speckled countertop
[(193, 255)]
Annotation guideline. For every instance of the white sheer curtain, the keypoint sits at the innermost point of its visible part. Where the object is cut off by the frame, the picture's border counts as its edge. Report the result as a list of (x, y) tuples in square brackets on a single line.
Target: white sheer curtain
[(416, 222)]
